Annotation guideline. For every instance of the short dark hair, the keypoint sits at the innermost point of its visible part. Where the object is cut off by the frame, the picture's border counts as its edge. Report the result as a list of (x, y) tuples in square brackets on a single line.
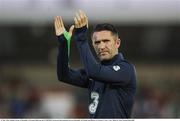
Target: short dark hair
[(106, 26)]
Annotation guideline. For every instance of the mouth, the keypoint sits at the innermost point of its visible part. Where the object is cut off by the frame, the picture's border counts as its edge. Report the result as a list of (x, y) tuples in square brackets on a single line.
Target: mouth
[(103, 53)]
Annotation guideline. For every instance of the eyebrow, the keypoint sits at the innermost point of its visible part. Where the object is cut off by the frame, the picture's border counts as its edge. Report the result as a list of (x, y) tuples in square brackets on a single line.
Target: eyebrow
[(95, 41)]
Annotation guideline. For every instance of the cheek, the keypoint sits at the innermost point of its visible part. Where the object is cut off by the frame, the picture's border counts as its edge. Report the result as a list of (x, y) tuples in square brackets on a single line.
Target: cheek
[(95, 48), (111, 46)]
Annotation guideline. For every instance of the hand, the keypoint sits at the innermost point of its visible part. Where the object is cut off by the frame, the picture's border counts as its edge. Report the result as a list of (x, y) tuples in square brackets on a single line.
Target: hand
[(80, 19), (59, 26)]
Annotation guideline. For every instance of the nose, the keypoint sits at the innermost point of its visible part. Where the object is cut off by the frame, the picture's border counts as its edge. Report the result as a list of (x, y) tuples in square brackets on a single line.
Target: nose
[(101, 45)]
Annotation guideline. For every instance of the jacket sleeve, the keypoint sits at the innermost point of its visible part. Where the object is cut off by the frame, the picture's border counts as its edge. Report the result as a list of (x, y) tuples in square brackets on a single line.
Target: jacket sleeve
[(64, 73), (119, 73)]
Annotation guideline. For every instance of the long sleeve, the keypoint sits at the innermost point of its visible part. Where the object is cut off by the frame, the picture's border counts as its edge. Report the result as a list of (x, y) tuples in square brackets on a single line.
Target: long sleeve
[(64, 73), (97, 71)]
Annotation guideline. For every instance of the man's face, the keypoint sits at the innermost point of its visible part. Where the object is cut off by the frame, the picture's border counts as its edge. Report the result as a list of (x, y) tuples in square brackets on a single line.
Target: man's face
[(105, 44)]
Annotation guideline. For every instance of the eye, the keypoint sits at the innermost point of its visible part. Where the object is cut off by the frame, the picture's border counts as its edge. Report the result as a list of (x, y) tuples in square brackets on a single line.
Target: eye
[(97, 42), (106, 40)]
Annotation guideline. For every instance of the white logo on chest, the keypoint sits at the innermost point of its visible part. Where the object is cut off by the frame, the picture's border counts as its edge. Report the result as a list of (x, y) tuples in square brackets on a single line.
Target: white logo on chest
[(116, 68)]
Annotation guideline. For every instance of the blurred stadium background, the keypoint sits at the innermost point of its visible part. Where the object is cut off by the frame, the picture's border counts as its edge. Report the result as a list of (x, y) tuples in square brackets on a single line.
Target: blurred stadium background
[(150, 34)]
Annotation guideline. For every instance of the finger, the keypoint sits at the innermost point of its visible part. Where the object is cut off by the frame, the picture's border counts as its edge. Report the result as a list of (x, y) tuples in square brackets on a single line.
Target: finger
[(78, 19), (87, 23), (57, 26), (76, 22), (61, 22), (71, 30), (82, 17), (85, 18), (57, 23), (82, 13)]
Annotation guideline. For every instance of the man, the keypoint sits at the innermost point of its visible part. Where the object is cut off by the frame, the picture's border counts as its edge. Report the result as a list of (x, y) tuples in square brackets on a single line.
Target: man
[(112, 82)]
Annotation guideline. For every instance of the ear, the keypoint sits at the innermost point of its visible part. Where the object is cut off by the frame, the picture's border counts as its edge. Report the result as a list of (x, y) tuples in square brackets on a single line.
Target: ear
[(118, 43)]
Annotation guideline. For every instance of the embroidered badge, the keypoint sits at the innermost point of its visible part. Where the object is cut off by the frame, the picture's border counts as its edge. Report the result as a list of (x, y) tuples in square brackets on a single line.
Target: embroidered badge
[(116, 68)]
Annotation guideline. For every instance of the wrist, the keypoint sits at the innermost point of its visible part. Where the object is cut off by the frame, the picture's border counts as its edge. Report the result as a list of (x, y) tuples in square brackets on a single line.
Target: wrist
[(61, 38), (82, 29)]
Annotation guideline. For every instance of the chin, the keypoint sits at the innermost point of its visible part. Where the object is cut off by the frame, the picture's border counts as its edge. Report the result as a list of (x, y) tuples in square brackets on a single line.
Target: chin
[(104, 58)]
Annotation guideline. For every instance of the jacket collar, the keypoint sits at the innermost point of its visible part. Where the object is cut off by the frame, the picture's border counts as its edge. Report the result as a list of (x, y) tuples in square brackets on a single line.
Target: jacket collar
[(116, 58)]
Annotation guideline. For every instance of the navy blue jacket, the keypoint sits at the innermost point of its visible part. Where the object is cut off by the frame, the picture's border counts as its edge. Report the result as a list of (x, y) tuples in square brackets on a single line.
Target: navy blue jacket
[(111, 84)]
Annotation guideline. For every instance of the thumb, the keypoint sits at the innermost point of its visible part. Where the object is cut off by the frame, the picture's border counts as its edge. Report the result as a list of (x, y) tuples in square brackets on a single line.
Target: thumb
[(71, 30)]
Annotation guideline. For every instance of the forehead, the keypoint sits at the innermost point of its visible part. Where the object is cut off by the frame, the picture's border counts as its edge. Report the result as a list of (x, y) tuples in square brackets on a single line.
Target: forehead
[(102, 35)]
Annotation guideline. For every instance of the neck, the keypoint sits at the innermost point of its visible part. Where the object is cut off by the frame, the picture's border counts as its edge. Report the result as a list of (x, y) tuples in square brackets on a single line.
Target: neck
[(109, 61)]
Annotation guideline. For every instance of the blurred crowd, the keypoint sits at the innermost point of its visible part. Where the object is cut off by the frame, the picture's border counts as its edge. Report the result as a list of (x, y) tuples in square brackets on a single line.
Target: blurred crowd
[(21, 99), (153, 102), (17, 98)]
